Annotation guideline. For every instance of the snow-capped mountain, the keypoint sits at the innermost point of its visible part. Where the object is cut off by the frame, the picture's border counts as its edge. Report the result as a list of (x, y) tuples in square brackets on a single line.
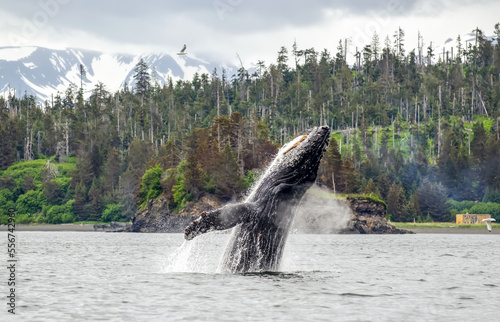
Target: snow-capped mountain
[(43, 72)]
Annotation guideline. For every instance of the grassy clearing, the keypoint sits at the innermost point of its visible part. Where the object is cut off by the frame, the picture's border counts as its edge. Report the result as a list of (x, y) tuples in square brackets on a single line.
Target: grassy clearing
[(440, 225), (74, 223)]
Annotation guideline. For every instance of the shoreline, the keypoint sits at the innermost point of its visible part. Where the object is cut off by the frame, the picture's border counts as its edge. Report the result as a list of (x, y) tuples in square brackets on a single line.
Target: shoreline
[(49, 227), (416, 230), (452, 230)]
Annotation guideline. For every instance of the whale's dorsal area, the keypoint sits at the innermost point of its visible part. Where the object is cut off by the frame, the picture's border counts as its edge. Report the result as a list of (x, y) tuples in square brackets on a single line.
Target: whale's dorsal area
[(262, 223)]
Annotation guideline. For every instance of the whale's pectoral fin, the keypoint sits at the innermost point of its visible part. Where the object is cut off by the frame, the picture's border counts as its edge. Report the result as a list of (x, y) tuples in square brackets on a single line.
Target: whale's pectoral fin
[(220, 219)]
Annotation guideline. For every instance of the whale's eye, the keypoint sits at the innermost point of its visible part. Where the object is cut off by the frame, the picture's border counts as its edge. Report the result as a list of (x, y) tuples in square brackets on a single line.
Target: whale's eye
[(296, 144)]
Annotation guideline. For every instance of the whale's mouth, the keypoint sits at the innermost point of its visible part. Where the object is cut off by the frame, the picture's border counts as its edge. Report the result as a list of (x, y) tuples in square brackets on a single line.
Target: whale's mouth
[(309, 145)]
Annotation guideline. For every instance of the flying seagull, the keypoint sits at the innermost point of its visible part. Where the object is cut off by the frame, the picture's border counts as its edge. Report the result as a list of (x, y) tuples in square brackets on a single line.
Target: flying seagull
[(488, 223), (183, 51)]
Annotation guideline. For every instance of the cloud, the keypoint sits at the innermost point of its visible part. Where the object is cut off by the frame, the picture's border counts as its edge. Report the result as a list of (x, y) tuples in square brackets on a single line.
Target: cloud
[(215, 28), (144, 21)]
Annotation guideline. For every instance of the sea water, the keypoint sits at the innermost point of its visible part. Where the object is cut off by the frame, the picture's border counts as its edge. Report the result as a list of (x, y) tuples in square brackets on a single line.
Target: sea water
[(86, 276)]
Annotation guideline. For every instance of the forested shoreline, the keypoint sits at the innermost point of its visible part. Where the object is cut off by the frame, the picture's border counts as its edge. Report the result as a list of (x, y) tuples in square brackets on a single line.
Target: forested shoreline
[(418, 130)]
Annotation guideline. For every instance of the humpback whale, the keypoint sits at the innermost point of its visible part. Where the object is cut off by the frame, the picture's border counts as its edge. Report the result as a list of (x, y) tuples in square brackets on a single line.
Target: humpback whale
[(262, 222)]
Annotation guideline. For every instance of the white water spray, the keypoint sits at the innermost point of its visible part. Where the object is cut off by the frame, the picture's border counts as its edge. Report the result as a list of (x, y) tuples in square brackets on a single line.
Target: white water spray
[(198, 255), (204, 253)]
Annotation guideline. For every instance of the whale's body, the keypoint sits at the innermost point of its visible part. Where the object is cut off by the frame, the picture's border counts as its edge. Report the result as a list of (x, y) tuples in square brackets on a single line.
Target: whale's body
[(263, 221)]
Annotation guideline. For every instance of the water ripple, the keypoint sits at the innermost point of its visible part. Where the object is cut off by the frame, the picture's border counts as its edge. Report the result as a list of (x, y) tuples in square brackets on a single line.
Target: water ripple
[(116, 277)]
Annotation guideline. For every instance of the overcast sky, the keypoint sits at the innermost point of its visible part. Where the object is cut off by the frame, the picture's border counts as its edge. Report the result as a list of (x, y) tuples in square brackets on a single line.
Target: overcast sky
[(217, 30)]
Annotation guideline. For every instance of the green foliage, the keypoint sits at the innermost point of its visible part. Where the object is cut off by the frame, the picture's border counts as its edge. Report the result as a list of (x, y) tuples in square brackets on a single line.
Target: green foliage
[(489, 208), (5, 195), (179, 192), (28, 183), (370, 197), (432, 199), (30, 203), (394, 120), (23, 219), (460, 206), (61, 214), (492, 195), (151, 184), (249, 179), (52, 192), (112, 212), (396, 202), (6, 202)]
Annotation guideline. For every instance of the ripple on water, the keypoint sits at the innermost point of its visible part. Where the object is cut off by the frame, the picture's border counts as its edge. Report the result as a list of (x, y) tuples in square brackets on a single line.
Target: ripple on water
[(94, 279), (355, 295)]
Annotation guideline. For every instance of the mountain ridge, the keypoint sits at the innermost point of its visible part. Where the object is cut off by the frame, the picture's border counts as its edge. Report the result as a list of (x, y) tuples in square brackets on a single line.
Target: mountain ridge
[(43, 72)]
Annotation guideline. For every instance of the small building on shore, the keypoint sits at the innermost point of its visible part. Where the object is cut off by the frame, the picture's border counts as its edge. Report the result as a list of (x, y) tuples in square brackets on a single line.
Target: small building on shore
[(471, 218)]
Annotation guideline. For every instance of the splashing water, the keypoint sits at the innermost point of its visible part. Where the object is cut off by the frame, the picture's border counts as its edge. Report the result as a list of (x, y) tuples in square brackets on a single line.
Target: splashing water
[(206, 253), (320, 212), (200, 255), (271, 167), (197, 255)]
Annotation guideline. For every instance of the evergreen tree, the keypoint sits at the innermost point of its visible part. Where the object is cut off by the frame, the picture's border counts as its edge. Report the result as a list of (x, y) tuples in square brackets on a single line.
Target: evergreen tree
[(169, 155), (432, 201), (112, 171), (227, 178), (142, 78), (95, 198), (212, 122), (383, 186), (80, 201), (396, 202), (370, 187), (8, 143), (52, 192), (330, 171), (193, 183), (28, 183), (129, 185)]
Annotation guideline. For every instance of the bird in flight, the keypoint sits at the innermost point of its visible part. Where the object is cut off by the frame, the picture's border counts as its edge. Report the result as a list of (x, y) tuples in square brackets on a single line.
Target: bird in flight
[(488, 223), (183, 51)]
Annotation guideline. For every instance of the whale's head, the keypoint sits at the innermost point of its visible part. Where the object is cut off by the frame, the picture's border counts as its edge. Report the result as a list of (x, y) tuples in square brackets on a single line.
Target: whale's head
[(297, 162)]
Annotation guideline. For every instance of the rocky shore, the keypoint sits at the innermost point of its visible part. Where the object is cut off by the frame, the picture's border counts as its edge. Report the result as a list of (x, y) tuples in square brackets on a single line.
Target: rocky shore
[(369, 217), (156, 218), (318, 213), (89, 228)]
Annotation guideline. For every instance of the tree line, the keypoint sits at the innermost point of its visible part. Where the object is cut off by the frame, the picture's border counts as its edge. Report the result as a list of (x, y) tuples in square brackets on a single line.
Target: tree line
[(417, 129)]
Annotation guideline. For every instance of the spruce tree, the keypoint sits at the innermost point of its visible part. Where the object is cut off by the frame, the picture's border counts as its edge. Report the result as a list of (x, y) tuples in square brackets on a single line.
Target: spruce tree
[(142, 78)]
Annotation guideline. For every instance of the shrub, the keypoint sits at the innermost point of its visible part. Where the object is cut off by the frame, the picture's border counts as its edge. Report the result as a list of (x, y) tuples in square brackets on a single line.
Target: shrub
[(23, 219), (151, 184), (432, 200), (373, 197), (5, 196), (30, 202), (249, 180), (113, 212), (490, 208), (4, 211), (460, 205), (471, 207), (491, 195), (61, 214)]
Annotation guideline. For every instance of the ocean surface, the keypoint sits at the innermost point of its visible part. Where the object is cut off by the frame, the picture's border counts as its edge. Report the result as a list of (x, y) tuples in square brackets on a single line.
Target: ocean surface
[(87, 276)]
